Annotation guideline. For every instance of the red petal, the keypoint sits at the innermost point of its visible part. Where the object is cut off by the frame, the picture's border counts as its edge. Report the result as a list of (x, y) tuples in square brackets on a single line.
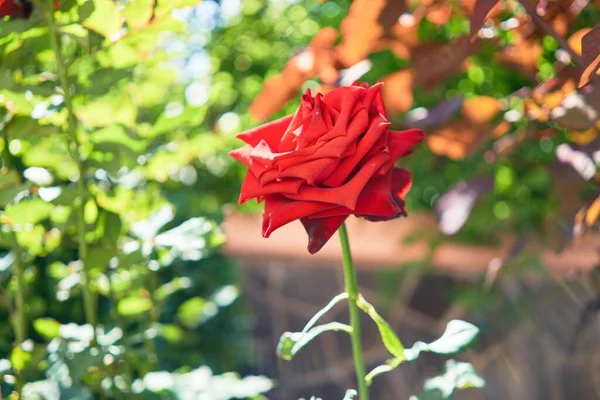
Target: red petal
[(316, 127), (320, 230), (243, 155), (252, 188), (280, 211), (271, 133), (346, 195), (375, 200), (376, 129), (400, 142)]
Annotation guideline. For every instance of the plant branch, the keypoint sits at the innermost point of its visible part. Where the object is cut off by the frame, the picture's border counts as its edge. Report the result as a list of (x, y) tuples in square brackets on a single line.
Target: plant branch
[(351, 285)]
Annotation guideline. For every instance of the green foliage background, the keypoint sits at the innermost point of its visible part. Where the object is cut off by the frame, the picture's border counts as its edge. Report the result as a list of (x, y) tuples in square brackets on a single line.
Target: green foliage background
[(159, 90)]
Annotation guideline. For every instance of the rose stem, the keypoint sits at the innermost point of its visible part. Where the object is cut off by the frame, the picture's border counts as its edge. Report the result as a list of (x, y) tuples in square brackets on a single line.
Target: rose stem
[(352, 290)]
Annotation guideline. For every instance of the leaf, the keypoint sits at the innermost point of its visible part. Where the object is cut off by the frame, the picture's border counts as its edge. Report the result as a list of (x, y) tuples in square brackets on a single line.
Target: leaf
[(457, 376), (389, 366), (195, 311), (291, 342), (47, 327), (457, 336), (28, 211), (134, 305), (137, 13), (388, 336), (19, 358), (114, 107), (590, 52), (480, 13), (105, 19), (116, 138)]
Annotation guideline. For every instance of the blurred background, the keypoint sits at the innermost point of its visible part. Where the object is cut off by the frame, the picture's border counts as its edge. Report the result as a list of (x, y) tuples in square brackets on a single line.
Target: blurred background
[(116, 187)]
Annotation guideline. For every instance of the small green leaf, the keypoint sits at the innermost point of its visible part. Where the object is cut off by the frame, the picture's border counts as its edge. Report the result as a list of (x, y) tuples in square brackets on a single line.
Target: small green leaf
[(137, 13), (457, 336), (134, 305), (457, 376), (19, 358), (194, 311), (171, 332), (388, 336), (324, 310), (29, 211), (105, 19), (291, 342), (47, 327), (389, 366)]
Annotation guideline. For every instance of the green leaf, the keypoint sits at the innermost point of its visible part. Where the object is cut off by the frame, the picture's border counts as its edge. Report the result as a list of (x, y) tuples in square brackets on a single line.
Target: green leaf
[(388, 336), (115, 138), (105, 19), (457, 336), (134, 305), (457, 376), (47, 327), (171, 332), (19, 358), (169, 288), (389, 366), (114, 107), (324, 310), (194, 311), (28, 211), (291, 342), (137, 13)]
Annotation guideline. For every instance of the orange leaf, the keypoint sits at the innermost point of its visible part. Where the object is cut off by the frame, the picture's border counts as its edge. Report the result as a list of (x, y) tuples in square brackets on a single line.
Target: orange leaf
[(590, 51), (397, 91), (481, 109)]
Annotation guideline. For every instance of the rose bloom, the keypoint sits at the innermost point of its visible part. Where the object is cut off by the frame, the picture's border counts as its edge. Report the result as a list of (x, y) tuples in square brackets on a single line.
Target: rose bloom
[(14, 8), (333, 158)]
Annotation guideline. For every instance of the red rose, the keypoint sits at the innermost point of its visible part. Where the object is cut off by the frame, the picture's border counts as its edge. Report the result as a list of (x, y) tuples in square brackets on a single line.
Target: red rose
[(334, 157), (14, 8)]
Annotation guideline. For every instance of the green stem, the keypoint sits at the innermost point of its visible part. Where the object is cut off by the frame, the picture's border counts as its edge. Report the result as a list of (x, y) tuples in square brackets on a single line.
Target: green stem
[(351, 285), (88, 298)]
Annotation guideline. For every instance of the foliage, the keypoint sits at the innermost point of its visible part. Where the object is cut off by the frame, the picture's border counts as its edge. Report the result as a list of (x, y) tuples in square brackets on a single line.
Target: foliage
[(110, 194)]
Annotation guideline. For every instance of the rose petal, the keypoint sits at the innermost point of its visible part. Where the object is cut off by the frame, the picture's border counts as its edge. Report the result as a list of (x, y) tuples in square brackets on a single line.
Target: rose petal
[(280, 210), (400, 142), (320, 230), (252, 187), (270, 133), (243, 155), (346, 195), (375, 200), (316, 127), (376, 128)]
